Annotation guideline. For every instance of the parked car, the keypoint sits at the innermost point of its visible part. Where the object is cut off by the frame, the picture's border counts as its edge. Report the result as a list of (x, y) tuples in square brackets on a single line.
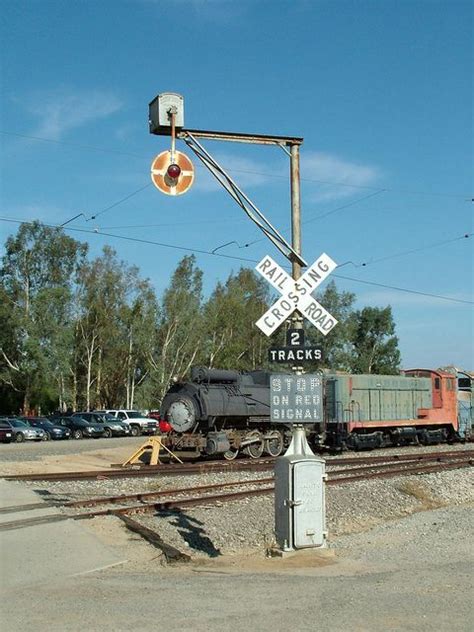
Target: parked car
[(79, 427), (139, 424), (52, 430), (112, 426), (6, 435), (21, 431)]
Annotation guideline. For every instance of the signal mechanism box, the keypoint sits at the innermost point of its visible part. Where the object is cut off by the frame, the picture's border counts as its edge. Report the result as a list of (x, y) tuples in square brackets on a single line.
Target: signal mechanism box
[(159, 112)]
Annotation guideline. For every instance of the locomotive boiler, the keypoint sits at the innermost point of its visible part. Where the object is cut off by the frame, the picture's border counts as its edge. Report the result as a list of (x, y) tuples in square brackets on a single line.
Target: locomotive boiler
[(222, 412)]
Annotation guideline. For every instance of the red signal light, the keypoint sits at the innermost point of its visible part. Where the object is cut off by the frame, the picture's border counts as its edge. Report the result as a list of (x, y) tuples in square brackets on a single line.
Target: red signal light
[(173, 171)]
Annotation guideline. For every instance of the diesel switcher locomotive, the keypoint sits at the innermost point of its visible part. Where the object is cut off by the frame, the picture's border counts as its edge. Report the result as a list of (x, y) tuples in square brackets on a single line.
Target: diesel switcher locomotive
[(227, 412)]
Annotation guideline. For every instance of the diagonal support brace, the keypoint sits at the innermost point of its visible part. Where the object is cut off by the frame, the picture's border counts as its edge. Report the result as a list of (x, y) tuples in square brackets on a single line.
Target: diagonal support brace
[(242, 200)]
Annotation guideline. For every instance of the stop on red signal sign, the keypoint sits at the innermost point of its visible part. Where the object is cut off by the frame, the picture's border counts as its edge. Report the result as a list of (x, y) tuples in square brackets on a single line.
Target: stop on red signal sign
[(161, 173)]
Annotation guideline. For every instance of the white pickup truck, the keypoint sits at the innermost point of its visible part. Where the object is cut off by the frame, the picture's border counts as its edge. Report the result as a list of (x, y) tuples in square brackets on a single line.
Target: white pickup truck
[(139, 424)]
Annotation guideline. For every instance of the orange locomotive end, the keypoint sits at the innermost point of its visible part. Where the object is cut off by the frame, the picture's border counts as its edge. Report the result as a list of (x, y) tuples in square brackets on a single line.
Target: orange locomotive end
[(369, 411), (444, 408)]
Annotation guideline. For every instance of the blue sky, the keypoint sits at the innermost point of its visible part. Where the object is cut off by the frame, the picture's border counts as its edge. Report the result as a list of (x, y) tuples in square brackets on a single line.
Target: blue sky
[(380, 91)]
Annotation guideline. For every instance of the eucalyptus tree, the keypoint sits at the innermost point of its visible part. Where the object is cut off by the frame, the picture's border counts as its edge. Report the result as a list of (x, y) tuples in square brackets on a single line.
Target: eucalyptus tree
[(11, 378), (38, 273), (374, 344), (180, 330), (116, 323), (336, 346), (231, 338), (140, 322)]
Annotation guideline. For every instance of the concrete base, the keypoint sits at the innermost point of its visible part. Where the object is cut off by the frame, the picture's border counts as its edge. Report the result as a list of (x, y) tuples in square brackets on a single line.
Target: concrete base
[(322, 552)]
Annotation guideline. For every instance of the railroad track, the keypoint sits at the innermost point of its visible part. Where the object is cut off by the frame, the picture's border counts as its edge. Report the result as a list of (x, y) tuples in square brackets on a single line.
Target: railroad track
[(253, 465), (181, 498)]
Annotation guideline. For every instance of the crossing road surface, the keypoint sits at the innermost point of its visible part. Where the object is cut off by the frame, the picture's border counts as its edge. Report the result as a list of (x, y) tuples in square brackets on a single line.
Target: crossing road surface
[(410, 575)]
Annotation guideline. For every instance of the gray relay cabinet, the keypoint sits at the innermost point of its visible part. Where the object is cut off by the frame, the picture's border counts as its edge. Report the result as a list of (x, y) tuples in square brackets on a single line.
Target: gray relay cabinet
[(300, 517)]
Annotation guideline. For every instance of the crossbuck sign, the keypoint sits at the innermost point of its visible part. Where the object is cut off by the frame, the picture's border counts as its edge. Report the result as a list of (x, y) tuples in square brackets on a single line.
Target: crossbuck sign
[(296, 295)]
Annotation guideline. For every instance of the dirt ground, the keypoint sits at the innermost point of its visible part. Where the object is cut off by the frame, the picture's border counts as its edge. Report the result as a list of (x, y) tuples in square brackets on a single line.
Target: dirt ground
[(407, 574), (86, 458)]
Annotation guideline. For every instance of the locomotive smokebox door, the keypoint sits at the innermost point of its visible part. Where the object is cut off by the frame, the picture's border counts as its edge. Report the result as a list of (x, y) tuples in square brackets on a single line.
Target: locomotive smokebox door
[(300, 520)]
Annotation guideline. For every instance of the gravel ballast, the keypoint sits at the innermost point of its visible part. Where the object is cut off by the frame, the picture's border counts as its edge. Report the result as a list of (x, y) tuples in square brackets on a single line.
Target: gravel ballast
[(232, 528), (400, 559)]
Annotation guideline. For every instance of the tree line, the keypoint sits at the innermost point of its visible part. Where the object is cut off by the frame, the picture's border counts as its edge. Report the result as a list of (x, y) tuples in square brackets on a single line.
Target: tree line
[(80, 333)]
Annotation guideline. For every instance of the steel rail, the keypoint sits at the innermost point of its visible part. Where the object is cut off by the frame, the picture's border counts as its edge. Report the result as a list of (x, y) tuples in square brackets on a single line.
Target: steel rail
[(147, 470), (413, 464), (392, 471), (141, 496), (413, 456), (166, 492), (223, 466), (387, 471), (358, 473)]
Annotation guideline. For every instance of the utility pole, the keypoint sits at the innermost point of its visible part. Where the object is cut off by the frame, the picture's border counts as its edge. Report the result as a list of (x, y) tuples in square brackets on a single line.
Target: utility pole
[(296, 320), (295, 208)]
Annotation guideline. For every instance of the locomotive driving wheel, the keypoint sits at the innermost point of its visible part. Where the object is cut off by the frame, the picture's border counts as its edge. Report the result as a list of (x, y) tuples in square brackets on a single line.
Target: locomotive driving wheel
[(231, 454), (255, 449), (234, 449), (274, 443)]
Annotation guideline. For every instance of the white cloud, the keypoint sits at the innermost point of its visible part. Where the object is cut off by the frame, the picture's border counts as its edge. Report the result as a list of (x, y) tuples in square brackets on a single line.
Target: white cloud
[(321, 168), (346, 176), (63, 110)]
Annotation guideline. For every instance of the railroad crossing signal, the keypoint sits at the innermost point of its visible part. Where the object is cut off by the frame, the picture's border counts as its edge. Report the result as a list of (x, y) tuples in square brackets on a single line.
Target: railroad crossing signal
[(296, 295), (172, 172)]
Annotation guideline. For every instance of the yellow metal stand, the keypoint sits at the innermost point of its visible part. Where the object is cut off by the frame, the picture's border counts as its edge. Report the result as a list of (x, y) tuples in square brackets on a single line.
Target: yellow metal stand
[(153, 445)]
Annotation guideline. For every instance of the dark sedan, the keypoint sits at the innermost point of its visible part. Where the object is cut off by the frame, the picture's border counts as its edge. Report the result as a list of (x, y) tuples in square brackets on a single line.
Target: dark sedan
[(112, 426), (53, 431), (80, 428), (6, 435)]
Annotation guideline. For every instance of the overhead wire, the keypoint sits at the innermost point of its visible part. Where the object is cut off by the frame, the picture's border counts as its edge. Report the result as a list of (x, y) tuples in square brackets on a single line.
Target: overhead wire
[(415, 250), (377, 191), (127, 197), (215, 254), (134, 239), (401, 289), (167, 224), (468, 197), (70, 144), (334, 210), (107, 208), (343, 206)]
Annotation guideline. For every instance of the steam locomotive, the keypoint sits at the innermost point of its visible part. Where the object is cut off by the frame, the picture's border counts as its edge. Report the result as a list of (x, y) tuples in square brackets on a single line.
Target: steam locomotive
[(226, 412)]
